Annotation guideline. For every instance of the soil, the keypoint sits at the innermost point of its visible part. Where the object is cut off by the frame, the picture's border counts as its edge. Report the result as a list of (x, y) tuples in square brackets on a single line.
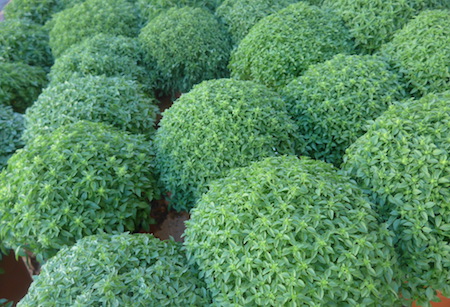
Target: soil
[(16, 279)]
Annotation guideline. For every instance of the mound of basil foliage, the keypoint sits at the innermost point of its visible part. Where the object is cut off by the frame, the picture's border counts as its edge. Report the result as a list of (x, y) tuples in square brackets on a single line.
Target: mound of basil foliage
[(20, 84), (403, 163), (281, 46), (241, 15), (24, 41), (285, 231), (332, 103), (117, 101), (91, 17), (185, 46), (421, 52), (11, 129), (118, 270), (371, 23), (39, 11), (218, 125), (102, 54), (82, 179), (149, 9)]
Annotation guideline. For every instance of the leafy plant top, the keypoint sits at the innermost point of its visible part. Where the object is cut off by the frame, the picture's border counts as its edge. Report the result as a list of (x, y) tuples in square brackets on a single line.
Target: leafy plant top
[(421, 52), (82, 179), (116, 101), (20, 84), (372, 23), (150, 9), (103, 54), (118, 270), (419, 5), (281, 46), (185, 46), (241, 15), (285, 231), (218, 125), (39, 11), (91, 17), (333, 101), (11, 129), (403, 164), (24, 41)]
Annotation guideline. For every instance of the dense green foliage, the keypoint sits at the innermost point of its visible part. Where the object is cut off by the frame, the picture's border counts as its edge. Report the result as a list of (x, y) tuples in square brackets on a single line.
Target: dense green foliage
[(20, 84), (118, 270), (80, 180), (102, 54), (421, 51), (185, 46), (38, 11), (372, 23), (218, 125), (281, 46), (11, 129), (314, 2), (419, 5), (403, 163), (116, 101), (241, 15), (24, 41), (149, 9), (285, 231), (71, 26), (332, 103)]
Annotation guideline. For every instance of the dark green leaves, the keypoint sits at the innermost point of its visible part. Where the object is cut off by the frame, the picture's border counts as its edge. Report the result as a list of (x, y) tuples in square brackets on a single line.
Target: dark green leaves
[(185, 46), (24, 41), (20, 84), (11, 129)]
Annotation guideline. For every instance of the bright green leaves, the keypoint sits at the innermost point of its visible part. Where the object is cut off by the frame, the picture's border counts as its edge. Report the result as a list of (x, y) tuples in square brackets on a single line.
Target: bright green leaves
[(185, 46), (402, 162), (63, 178), (241, 15), (333, 102), (119, 102), (219, 125), (103, 54), (71, 26), (119, 270), (281, 46), (372, 23), (264, 235), (421, 52)]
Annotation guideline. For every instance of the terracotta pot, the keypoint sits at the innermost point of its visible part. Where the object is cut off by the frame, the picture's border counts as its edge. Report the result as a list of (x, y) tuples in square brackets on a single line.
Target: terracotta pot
[(16, 280), (445, 302)]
